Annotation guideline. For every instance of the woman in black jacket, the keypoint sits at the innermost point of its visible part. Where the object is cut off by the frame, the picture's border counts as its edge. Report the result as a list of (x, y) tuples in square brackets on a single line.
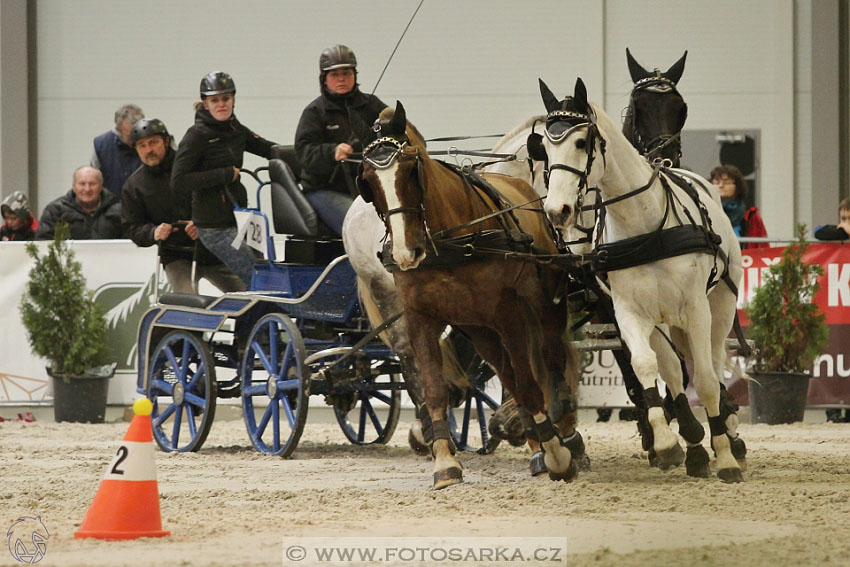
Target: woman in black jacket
[(207, 166)]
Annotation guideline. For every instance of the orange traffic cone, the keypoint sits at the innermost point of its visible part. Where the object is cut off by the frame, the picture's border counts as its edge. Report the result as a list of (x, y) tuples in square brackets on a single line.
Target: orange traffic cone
[(126, 505)]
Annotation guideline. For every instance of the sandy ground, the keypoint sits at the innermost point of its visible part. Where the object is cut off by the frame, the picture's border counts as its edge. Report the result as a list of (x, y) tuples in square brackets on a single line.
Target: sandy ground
[(228, 505)]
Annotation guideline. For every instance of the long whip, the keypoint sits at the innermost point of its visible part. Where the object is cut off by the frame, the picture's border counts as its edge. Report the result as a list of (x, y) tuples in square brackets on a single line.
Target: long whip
[(396, 46)]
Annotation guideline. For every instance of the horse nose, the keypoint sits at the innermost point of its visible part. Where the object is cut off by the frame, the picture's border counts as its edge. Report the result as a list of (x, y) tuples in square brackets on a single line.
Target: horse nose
[(411, 258), (559, 217)]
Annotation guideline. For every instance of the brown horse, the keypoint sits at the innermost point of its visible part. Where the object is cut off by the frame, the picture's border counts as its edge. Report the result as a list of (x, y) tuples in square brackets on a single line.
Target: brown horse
[(476, 272)]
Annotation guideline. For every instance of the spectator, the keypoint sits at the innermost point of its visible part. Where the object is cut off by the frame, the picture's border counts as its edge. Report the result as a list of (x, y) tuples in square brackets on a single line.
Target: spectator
[(113, 153), (151, 212), (91, 211), (331, 128), (839, 231), (732, 187), (207, 168), (18, 222)]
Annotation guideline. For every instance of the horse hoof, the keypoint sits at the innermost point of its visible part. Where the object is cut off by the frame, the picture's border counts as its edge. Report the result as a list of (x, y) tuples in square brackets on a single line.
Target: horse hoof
[(653, 457), (696, 462), (537, 465), (575, 444), (730, 476), (739, 451), (669, 458), (583, 462), (448, 477), (418, 446), (566, 476)]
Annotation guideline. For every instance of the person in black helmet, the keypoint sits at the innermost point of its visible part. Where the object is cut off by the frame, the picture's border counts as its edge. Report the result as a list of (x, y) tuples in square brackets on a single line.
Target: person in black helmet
[(151, 212), (331, 128), (207, 168)]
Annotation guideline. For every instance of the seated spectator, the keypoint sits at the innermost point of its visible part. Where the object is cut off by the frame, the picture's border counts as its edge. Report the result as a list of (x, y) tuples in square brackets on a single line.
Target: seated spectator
[(841, 231), (18, 222), (152, 212), (91, 211), (113, 153), (732, 187)]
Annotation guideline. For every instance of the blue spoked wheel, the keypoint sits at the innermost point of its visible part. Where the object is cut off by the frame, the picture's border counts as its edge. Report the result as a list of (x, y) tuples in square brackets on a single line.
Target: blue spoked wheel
[(370, 415), (469, 430), (182, 387), (275, 385)]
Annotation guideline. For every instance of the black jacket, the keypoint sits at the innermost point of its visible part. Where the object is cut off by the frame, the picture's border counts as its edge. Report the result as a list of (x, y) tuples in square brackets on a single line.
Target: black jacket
[(147, 201), (203, 167), (830, 232), (327, 122), (102, 223)]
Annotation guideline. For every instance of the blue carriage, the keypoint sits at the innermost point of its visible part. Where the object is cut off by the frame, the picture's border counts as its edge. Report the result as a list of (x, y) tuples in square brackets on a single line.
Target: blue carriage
[(297, 332)]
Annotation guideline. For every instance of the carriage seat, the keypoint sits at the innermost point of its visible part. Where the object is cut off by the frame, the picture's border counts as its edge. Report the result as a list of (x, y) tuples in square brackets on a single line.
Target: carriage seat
[(310, 240), (187, 300)]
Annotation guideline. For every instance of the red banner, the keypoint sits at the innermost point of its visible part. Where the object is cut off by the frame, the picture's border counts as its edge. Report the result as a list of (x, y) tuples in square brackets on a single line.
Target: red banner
[(829, 385)]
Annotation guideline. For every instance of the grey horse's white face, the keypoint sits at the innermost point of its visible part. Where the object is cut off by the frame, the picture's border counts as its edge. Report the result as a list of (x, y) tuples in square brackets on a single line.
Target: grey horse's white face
[(562, 201)]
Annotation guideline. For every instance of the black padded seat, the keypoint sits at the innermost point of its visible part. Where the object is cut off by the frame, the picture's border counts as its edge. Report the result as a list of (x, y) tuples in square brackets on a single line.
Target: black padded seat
[(310, 240), (187, 300)]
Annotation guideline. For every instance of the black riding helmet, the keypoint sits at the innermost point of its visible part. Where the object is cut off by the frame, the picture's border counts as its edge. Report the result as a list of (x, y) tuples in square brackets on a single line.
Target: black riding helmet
[(336, 57), (144, 128), (217, 82)]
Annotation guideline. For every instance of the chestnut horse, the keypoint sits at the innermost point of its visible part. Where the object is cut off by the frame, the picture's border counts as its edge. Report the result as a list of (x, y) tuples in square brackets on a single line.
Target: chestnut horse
[(463, 255)]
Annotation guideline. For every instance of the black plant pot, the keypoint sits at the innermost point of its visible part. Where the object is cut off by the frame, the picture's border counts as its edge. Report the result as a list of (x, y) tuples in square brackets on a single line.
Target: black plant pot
[(80, 400), (778, 397)]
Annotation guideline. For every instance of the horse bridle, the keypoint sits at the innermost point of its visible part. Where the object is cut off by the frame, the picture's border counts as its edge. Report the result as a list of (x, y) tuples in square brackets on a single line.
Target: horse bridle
[(383, 153), (660, 84)]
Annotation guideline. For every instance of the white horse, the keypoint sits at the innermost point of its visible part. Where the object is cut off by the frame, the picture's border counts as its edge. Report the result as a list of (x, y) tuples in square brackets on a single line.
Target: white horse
[(586, 149)]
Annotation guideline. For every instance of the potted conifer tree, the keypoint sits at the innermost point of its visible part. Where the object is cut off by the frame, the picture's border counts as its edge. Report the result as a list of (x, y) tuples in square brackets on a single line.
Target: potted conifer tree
[(789, 332), (65, 326)]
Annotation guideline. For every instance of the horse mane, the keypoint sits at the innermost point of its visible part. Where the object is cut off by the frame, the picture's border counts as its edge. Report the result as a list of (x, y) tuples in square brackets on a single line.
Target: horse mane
[(416, 137), (513, 133), (629, 126)]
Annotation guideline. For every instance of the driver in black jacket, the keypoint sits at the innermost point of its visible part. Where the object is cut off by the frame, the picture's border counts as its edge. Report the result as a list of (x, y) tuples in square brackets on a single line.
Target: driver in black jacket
[(332, 127), (152, 212)]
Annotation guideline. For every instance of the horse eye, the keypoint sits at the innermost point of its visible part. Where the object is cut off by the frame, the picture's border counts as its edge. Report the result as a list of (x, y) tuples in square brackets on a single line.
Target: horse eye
[(581, 143)]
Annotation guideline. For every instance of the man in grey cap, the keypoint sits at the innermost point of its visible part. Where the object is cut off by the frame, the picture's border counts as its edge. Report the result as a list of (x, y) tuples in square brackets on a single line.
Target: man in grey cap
[(331, 128)]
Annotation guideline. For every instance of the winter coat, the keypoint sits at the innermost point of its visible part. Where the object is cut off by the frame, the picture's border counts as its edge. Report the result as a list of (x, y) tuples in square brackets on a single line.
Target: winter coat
[(148, 201), (830, 232), (102, 223), (327, 122), (203, 167), (115, 160)]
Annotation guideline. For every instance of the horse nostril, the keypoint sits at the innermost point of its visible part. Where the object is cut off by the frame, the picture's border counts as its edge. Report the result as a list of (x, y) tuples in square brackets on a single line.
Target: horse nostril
[(418, 253), (566, 211)]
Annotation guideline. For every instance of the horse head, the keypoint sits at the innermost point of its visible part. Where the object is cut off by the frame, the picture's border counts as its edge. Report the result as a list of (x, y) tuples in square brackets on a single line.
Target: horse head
[(657, 112), (571, 144), (389, 179)]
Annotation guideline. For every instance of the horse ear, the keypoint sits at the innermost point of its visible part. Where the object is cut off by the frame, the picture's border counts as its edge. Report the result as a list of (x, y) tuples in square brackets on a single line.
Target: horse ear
[(550, 101), (674, 73), (363, 186), (635, 69), (580, 96), (534, 145), (399, 123)]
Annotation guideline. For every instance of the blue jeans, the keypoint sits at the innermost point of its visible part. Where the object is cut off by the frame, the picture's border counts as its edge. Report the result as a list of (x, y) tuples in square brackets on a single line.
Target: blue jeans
[(331, 206), (239, 260)]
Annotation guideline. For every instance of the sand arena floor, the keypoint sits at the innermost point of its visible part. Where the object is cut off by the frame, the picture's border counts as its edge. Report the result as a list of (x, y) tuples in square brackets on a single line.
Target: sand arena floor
[(228, 505)]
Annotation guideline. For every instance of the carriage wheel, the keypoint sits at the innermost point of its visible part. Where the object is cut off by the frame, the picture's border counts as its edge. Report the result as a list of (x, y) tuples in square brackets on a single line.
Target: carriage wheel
[(275, 385), (373, 415), (182, 387), (463, 431)]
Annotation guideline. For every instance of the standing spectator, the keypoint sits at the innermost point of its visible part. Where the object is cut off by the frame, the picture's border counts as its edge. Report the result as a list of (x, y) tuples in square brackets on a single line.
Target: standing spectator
[(91, 211), (841, 231), (331, 128), (733, 189), (152, 212), (207, 168), (113, 153), (18, 222)]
